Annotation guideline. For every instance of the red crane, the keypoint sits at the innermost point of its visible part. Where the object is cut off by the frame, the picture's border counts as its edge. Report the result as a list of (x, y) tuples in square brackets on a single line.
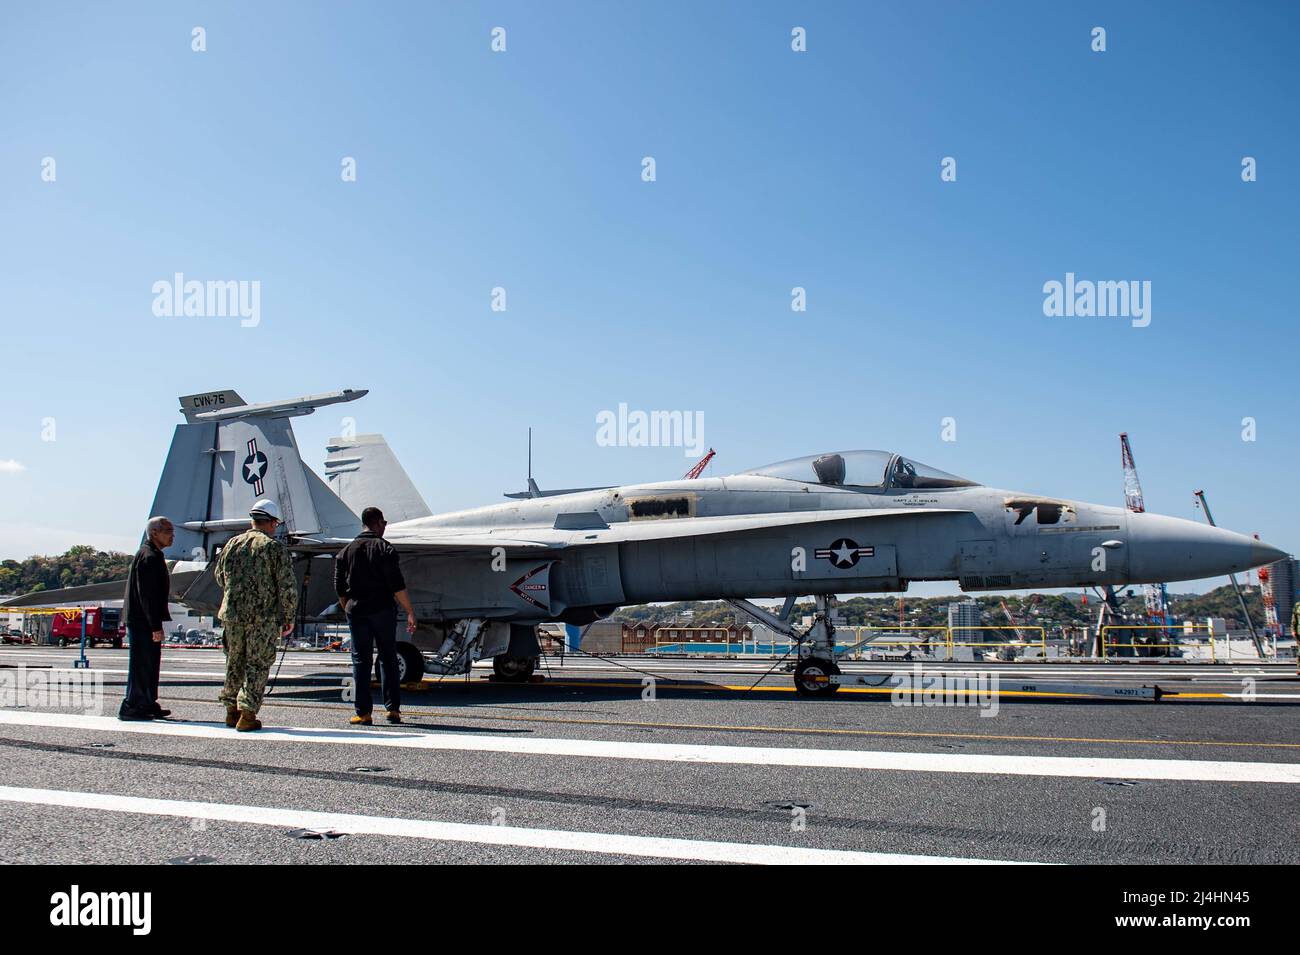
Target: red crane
[(696, 471)]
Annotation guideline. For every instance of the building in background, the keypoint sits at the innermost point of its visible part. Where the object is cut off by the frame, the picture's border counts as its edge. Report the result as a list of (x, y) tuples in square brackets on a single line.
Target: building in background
[(1279, 586), (963, 615)]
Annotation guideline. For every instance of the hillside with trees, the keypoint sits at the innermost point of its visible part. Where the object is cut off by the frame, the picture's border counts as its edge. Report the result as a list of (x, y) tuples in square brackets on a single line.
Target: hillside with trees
[(1050, 611), (81, 564)]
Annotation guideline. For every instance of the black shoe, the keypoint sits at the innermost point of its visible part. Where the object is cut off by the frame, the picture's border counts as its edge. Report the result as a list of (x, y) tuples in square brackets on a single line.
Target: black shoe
[(137, 716), (160, 714)]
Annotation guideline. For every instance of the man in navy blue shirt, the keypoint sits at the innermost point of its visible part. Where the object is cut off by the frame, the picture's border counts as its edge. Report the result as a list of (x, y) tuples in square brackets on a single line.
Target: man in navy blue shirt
[(369, 583)]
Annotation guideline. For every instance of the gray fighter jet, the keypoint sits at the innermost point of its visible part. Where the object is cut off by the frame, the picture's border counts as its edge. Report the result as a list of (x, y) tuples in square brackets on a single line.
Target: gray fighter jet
[(481, 580)]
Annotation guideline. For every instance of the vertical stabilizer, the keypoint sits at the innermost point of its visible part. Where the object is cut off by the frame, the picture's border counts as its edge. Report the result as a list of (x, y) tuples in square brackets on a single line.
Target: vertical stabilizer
[(364, 472), (229, 454)]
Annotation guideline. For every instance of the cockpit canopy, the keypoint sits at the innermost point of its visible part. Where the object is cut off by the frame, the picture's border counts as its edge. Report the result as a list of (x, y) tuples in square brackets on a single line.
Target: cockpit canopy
[(882, 469)]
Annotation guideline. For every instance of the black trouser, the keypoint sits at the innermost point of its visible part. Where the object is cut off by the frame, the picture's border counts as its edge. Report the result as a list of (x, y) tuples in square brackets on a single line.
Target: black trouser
[(371, 630), (143, 663)]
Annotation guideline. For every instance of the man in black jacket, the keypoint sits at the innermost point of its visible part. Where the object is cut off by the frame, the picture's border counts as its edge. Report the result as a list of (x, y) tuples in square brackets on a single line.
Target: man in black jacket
[(368, 579), (148, 587)]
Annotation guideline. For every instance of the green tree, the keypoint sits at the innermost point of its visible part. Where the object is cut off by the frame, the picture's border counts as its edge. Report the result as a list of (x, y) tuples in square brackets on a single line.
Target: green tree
[(80, 565)]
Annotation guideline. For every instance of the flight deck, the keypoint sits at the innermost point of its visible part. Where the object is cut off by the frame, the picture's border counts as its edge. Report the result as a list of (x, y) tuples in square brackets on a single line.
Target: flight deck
[(637, 758)]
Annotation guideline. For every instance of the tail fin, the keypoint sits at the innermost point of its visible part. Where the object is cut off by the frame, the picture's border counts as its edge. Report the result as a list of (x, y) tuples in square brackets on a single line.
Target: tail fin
[(364, 472), (229, 454)]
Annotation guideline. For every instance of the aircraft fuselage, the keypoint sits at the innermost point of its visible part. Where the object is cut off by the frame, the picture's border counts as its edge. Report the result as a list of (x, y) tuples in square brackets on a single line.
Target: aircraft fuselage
[(984, 538)]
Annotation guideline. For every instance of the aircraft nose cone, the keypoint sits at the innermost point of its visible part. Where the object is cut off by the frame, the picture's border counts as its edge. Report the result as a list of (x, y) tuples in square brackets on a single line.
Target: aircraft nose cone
[(1171, 548), (1265, 554)]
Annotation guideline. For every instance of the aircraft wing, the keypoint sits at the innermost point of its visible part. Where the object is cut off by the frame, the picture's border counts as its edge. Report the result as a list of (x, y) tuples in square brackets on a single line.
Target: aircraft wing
[(587, 529), (70, 596), (447, 543), (93, 593)]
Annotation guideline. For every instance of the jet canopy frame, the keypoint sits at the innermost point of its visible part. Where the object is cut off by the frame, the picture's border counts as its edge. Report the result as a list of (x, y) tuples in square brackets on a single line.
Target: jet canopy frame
[(862, 469)]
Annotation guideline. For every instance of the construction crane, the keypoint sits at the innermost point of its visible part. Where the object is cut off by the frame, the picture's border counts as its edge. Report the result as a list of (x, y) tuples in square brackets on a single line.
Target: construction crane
[(1204, 505), (1015, 624), (696, 471), (1271, 621), (1156, 596)]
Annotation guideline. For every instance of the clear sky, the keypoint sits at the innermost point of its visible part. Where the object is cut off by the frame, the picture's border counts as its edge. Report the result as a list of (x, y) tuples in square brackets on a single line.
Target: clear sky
[(774, 169)]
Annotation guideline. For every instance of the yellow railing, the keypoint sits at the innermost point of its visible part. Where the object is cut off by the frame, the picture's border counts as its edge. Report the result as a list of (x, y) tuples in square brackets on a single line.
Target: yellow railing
[(1041, 642), (935, 639), (946, 640), (860, 644), (1107, 644), (47, 611)]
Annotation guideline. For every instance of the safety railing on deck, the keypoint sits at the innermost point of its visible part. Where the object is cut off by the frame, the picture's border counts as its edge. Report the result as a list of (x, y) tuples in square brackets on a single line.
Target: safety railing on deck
[(940, 642), (1163, 634), (1040, 643)]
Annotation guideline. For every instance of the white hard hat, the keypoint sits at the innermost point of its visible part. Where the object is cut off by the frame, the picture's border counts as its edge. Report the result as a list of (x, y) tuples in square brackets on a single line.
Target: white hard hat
[(265, 509)]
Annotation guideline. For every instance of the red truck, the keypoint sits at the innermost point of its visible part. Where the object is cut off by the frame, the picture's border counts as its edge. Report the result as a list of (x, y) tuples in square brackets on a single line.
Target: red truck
[(103, 625)]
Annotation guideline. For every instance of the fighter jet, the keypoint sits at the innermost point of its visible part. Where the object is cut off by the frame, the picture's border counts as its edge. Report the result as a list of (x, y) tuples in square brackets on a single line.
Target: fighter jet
[(481, 580)]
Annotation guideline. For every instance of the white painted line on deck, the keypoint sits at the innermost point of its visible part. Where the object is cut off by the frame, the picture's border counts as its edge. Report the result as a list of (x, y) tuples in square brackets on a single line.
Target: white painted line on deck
[(218, 673), (604, 843), (1189, 770)]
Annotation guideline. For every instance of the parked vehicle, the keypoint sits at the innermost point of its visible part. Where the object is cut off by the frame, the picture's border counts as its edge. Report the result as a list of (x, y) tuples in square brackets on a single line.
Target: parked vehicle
[(103, 625)]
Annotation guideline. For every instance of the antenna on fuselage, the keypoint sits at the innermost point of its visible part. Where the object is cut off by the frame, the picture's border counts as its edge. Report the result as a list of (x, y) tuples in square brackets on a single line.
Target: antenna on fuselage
[(533, 489)]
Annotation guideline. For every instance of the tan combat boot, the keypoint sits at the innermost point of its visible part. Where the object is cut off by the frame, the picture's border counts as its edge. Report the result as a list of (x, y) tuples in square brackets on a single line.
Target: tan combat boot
[(232, 715), (248, 722)]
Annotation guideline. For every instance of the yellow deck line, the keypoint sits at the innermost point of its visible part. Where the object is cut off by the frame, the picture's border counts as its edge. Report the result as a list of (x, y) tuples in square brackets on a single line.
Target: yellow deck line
[(679, 685)]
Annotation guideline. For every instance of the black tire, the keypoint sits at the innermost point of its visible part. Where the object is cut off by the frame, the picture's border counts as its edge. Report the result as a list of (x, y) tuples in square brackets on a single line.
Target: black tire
[(513, 669), (810, 677), (410, 664)]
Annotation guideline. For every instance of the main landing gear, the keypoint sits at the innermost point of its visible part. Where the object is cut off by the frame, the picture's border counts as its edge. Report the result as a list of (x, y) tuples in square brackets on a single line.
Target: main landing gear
[(812, 677), (816, 673), (513, 648)]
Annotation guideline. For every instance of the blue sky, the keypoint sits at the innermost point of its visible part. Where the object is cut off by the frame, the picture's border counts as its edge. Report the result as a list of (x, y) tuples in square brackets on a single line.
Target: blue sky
[(775, 169)]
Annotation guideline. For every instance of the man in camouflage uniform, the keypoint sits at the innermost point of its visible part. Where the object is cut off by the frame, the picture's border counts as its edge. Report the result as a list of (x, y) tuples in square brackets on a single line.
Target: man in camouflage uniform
[(261, 595), (1295, 632)]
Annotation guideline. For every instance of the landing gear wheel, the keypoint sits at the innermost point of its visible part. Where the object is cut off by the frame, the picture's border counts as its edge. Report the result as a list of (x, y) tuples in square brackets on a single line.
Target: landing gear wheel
[(512, 669), (410, 664), (812, 677)]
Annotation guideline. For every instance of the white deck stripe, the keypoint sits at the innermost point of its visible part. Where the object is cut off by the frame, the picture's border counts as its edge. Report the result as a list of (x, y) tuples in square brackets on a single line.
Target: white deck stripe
[(216, 674), (1195, 770), (604, 843)]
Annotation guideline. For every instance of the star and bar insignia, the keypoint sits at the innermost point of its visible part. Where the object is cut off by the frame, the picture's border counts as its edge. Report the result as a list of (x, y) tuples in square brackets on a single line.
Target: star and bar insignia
[(844, 553), (255, 467)]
